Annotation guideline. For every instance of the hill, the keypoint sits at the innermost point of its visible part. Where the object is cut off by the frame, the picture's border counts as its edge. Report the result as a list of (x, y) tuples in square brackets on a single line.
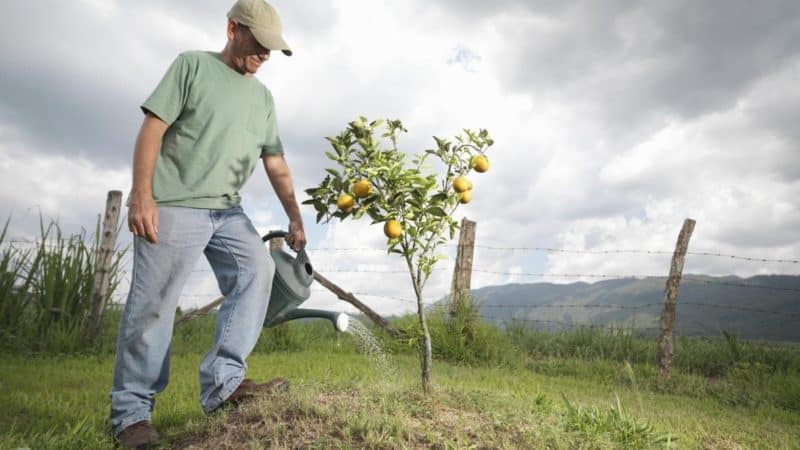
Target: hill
[(761, 307)]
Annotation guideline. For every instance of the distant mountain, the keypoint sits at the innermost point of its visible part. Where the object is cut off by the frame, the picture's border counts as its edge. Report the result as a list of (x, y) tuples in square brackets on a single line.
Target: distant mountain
[(761, 307)]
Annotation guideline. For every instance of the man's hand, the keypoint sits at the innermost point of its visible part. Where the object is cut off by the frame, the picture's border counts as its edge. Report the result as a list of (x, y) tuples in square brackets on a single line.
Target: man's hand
[(143, 217), (296, 237), (143, 214)]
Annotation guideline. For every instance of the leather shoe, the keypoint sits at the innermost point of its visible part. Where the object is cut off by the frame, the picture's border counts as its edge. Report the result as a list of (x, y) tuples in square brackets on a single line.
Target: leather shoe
[(138, 436), (249, 389)]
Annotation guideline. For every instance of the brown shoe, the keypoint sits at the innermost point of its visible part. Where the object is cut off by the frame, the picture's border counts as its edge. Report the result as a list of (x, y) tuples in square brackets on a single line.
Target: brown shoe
[(249, 389), (138, 436)]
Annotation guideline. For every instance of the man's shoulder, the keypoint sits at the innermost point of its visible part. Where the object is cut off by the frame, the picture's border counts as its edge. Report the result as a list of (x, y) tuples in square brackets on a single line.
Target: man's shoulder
[(196, 55)]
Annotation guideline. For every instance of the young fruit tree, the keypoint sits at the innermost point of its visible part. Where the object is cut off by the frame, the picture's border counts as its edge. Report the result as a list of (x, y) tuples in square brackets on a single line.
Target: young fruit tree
[(415, 207)]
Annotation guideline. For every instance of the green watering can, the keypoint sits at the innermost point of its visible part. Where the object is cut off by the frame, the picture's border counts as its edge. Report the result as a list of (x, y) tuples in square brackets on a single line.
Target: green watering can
[(291, 287)]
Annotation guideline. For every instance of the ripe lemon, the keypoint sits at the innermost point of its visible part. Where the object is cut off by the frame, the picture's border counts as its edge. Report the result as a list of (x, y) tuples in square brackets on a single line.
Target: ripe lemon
[(480, 163), (465, 197), (461, 184), (392, 229), (345, 202), (362, 188)]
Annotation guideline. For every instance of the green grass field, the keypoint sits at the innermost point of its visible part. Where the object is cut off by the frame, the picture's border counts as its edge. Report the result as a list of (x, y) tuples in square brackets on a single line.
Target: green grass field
[(340, 398)]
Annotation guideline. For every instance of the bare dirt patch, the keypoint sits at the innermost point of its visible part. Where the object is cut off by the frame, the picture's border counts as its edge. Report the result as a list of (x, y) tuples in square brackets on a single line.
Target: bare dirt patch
[(353, 419)]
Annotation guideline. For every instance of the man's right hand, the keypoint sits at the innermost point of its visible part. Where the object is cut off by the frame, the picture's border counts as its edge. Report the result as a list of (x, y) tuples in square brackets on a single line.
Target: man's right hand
[(143, 217)]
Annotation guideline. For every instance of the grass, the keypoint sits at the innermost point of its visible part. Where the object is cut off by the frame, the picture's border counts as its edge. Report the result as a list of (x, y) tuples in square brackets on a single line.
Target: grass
[(45, 291), (342, 399), (494, 388)]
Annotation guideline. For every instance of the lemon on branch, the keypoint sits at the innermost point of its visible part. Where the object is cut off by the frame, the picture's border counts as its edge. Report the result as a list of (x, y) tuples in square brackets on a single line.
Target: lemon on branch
[(392, 229), (480, 163), (465, 197), (362, 188), (345, 202), (461, 184)]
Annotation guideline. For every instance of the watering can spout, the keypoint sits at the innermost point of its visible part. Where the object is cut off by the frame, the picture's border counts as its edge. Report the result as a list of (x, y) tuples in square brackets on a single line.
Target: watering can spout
[(339, 320), (291, 287)]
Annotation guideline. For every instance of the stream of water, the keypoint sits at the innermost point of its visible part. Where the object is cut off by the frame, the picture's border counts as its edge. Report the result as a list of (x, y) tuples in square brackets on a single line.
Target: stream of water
[(368, 344)]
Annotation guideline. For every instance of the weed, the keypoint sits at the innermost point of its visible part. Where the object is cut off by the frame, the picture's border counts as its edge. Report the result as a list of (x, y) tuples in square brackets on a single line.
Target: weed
[(615, 424)]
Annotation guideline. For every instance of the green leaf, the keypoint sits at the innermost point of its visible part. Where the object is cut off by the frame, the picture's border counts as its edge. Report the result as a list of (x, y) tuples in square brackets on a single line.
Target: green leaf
[(359, 213), (333, 172), (331, 156), (440, 197), (437, 211), (374, 215)]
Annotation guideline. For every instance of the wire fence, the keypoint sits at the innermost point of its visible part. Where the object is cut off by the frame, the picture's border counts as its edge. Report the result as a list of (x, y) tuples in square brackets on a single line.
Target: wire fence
[(529, 311)]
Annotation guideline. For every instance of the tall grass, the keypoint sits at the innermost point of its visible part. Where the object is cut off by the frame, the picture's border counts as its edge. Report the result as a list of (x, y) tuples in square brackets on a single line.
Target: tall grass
[(45, 291)]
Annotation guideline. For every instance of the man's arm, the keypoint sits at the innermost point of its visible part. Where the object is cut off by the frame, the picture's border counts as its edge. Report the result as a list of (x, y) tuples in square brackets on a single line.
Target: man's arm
[(281, 179), (143, 214)]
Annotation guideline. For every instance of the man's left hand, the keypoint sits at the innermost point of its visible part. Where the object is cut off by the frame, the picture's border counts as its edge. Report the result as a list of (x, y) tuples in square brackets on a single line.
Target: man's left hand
[(296, 239)]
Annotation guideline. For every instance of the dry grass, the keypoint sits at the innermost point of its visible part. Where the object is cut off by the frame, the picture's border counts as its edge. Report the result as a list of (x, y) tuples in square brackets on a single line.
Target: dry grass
[(353, 418)]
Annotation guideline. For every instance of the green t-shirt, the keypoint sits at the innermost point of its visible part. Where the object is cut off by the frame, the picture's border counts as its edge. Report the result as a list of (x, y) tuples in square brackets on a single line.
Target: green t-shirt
[(220, 124)]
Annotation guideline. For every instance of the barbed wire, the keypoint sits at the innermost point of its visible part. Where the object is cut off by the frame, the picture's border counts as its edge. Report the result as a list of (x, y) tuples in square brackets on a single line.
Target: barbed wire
[(579, 251), (574, 305), (568, 324), (690, 279)]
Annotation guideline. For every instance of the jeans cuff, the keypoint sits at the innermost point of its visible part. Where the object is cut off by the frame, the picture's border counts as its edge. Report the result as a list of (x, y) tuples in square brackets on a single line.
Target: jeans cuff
[(228, 388)]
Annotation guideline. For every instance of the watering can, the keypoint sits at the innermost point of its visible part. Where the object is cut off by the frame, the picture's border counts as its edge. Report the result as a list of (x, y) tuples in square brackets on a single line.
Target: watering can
[(291, 287)]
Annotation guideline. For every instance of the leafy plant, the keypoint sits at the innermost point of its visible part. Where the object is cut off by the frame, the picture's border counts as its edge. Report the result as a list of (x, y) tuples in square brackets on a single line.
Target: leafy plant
[(416, 208), (614, 423), (45, 290)]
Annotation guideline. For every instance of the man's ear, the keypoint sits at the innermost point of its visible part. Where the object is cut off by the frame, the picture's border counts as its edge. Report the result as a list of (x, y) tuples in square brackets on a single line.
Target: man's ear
[(231, 29)]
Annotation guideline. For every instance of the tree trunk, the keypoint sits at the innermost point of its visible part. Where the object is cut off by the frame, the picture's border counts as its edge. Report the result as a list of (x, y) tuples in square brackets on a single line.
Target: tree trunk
[(426, 348)]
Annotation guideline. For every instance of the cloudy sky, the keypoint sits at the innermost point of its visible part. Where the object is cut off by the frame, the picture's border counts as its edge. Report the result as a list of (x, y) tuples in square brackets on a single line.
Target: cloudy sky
[(613, 121)]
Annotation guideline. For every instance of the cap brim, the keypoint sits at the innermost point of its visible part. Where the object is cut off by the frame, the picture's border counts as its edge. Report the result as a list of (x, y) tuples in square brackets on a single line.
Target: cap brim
[(271, 40)]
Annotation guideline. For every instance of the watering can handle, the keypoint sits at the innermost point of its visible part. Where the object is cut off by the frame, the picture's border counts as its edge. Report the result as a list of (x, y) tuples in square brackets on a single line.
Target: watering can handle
[(302, 258), (274, 234)]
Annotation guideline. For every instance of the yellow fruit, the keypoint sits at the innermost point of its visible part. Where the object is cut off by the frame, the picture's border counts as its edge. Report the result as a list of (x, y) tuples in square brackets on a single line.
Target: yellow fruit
[(465, 197), (362, 188), (392, 229), (480, 163), (461, 184), (345, 202)]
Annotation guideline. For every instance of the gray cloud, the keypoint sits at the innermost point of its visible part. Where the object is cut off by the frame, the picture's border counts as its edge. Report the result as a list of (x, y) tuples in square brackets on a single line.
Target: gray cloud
[(632, 61), (62, 90)]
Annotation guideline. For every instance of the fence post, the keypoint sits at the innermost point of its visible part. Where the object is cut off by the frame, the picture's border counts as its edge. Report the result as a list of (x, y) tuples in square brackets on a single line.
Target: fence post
[(103, 265), (462, 274), (671, 298)]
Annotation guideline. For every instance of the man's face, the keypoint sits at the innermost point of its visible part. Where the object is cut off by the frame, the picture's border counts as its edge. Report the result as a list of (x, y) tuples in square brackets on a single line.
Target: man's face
[(247, 54)]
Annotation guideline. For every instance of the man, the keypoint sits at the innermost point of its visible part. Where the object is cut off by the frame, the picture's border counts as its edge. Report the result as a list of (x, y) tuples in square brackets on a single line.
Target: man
[(206, 125)]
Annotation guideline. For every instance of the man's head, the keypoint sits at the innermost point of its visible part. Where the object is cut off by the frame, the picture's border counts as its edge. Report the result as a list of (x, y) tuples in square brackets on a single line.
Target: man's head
[(254, 30)]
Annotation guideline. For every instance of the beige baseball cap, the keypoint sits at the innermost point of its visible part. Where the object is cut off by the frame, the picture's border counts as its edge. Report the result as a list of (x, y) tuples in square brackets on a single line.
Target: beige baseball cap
[(263, 21)]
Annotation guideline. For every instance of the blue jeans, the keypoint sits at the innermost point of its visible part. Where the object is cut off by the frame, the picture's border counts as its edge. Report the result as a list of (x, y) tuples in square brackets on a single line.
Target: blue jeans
[(244, 270)]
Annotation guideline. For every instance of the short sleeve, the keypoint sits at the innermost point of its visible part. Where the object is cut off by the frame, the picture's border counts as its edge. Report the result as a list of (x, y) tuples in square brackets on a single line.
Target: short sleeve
[(273, 144), (169, 97)]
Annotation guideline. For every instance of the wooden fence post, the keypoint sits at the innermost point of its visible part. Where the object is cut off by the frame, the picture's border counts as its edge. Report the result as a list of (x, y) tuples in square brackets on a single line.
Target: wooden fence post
[(671, 298), (462, 274), (103, 259)]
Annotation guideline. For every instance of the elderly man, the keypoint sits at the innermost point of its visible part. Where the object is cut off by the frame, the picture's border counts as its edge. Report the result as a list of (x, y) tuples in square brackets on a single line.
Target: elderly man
[(206, 125)]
